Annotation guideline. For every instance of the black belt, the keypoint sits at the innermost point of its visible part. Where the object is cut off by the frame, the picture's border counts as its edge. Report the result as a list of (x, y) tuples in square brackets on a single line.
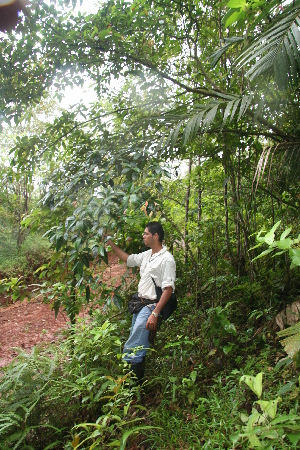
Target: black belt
[(147, 301)]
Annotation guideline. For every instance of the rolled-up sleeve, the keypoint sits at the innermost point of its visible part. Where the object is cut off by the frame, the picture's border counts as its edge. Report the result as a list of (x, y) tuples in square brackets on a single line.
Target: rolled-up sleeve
[(168, 274), (135, 260)]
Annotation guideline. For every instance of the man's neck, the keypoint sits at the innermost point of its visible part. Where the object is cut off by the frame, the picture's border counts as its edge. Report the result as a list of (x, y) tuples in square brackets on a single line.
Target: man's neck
[(156, 248)]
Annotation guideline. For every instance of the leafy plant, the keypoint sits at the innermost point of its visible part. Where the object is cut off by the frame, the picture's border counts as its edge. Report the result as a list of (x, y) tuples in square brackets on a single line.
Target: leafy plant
[(267, 427), (285, 244)]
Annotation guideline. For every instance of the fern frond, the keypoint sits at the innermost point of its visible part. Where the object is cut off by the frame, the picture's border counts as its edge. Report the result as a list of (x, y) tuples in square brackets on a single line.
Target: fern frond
[(277, 50), (292, 345), (292, 342)]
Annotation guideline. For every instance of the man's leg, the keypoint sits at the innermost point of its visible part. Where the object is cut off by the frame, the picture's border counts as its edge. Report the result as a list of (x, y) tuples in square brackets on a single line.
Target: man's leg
[(139, 337)]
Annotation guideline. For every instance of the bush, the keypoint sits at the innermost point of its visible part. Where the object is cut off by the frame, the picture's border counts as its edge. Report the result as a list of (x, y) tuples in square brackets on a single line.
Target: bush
[(24, 261)]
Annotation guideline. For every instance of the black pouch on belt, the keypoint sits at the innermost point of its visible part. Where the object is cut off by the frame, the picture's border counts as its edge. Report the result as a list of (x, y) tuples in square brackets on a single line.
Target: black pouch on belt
[(136, 303)]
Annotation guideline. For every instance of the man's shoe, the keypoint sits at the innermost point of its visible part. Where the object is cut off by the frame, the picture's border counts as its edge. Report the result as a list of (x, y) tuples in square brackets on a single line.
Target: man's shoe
[(139, 369)]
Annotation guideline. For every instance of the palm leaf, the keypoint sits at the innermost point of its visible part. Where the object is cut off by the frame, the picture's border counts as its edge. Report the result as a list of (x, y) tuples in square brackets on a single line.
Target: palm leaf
[(192, 127), (288, 168), (246, 100), (261, 166), (209, 118), (235, 105), (276, 50), (228, 42), (227, 110), (203, 120)]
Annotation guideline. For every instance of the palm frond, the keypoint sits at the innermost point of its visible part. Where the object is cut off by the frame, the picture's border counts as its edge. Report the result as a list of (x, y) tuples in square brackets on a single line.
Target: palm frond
[(276, 50), (228, 42), (288, 168), (261, 166), (189, 124)]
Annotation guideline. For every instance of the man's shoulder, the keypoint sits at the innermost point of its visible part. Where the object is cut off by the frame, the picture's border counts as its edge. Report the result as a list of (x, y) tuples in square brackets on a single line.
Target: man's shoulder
[(167, 256)]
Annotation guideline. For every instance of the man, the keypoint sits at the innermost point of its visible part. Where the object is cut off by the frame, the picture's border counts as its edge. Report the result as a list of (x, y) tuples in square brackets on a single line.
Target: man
[(155, 264)]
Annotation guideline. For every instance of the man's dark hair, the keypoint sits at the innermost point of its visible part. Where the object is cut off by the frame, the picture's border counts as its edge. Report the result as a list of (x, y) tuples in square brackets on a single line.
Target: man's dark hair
[(155, 227)]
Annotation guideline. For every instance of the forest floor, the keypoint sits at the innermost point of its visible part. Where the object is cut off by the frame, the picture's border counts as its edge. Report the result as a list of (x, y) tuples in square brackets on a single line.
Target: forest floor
[(23, 325)]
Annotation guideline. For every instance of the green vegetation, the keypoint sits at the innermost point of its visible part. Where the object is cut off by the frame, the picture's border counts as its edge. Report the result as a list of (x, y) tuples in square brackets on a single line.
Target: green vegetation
[(195, 122)]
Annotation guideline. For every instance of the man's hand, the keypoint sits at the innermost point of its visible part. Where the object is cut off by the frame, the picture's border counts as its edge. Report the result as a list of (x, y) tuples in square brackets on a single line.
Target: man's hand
[(151, 323), (117, 250)]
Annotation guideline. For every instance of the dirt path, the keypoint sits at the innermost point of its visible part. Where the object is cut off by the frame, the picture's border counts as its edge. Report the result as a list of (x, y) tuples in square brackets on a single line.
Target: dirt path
[(28, 323)]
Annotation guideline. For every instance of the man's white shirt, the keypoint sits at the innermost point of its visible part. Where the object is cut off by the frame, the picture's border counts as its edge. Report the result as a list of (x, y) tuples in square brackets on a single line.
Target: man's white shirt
[(160, 266)]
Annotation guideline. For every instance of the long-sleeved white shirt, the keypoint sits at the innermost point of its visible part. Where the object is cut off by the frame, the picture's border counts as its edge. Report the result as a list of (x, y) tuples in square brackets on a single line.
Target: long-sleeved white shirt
[(160, 266)]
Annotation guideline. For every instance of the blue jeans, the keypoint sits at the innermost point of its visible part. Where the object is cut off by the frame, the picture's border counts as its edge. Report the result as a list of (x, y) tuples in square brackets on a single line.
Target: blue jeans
[(139, 336)]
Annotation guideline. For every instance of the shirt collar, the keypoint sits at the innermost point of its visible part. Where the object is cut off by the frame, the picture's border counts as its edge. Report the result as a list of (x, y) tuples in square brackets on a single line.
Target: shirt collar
[(163, 250)]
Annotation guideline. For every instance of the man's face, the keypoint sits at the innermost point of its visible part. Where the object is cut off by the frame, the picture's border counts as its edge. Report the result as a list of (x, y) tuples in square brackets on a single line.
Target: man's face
[(148, 238)]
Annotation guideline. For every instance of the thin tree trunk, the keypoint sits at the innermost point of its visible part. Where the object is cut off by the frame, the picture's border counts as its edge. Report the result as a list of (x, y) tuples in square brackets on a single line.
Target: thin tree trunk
[(199, 214), (227, 237), (212, 265), (238, 231), (72, 314), (187, 204)]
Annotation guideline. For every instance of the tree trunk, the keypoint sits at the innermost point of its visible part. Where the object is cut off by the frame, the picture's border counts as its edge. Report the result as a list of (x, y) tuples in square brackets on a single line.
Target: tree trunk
[(199, 302), (187, 205)]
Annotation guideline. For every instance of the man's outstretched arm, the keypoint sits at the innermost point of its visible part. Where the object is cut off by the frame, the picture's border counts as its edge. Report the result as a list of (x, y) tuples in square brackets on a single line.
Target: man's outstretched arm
[(117, 250)]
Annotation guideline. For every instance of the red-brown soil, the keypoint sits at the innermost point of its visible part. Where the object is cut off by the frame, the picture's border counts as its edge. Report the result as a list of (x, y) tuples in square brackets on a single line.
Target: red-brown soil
[(25, 324)]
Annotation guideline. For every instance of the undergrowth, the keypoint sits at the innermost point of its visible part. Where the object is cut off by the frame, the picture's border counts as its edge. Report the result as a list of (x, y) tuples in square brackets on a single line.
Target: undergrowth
[(81, 394), (22, 261)]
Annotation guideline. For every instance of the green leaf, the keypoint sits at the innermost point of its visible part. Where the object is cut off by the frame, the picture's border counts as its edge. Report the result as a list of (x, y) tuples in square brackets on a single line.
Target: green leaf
[(191, 397), (133, 198), (193, 375), (230, 328), (283, 244), (269, 407), (269, 237), (294, 438), (234, 17), (235, 105), (285, 418), (276, 50), (227, 110), (254, 441), (254, 383), (264, 253), (246, 100), (227, 348), (209, 117), (236, 4), (295, 256)]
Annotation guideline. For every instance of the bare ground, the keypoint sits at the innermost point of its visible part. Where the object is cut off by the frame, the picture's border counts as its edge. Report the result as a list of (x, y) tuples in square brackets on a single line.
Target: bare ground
[(25, 324)]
